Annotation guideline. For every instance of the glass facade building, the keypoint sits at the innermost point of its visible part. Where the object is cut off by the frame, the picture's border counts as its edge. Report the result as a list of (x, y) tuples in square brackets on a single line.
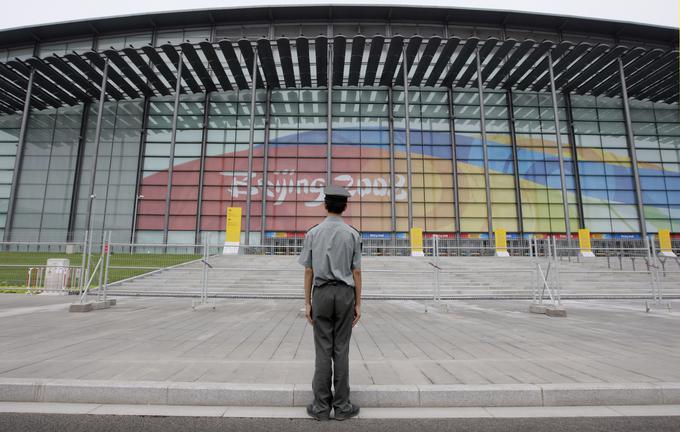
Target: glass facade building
[(454, 153)]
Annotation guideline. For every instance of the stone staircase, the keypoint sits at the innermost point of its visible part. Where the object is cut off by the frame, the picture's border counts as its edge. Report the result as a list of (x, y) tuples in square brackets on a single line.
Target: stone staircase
[(409, 278)]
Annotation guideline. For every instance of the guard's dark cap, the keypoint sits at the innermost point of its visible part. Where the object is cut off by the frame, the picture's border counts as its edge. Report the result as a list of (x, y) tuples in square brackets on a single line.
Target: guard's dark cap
[(336, 193)]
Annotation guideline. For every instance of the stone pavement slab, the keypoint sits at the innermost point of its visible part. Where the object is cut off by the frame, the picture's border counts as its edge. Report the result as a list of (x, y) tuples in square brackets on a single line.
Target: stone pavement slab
[(397, 346), (396, 343)]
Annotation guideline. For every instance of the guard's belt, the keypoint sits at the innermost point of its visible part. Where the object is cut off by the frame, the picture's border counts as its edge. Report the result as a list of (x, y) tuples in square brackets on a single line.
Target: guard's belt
[(331, 282)]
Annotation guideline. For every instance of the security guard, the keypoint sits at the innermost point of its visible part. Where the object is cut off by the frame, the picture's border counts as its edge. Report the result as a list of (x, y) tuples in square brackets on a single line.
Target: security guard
[(332, 258)]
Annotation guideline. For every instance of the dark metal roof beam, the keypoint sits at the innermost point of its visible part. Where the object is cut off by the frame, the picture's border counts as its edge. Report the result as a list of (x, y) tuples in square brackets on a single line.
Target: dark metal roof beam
[(4, 108), (542, 67), (662, 92), (216, 65), (668, 80), (234, 64), (528, 62), (561, 65), (58, 79), (465, 52), (411, 52), (641, 75), (171, 52), (7, 109), (75, 76), (576, 68), (131, 74), (143, 66), (471, 70), (654, 75), (615, 80), (248, 55), (161, 66), (11, 106), (113, 76), (511, 62), (358, 46), (498, 56), (283, 46), (321, 50), (339, 48), (443, 59), (673, 99), (425, 60), (377, 43), (394, 53), (39, 95), (609, 71), (264, 51), (44, 84), (670, 95), (195, 61), (657, 94), (14, 96), (595, 67), (302, 48), (93, 75)]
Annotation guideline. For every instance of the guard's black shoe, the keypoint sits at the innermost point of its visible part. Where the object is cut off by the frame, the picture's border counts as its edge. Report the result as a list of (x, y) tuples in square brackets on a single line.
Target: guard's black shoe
[(316, 416), (353, 412)]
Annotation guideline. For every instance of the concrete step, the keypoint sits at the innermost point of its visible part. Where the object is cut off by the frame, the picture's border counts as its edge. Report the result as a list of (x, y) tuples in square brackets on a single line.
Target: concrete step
[(403, 277), (290, 395)]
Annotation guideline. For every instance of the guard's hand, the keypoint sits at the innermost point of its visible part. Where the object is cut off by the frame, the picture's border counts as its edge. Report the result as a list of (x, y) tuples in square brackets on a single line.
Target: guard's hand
[(357, 314), (308, 313)]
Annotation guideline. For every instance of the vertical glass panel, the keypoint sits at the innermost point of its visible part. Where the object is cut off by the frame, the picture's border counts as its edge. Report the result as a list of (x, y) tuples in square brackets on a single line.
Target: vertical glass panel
[(9, 138), (116, 169), (45, 186)]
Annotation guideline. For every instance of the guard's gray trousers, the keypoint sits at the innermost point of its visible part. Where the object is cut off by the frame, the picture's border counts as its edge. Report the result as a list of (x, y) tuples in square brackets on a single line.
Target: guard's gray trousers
[(332, 312)]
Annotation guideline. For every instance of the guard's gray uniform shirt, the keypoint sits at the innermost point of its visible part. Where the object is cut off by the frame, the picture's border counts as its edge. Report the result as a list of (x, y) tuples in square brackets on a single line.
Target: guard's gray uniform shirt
[(332, 249)]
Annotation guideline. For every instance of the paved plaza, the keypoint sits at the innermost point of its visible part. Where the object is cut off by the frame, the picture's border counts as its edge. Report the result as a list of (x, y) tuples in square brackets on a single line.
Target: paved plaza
[(397, 342)]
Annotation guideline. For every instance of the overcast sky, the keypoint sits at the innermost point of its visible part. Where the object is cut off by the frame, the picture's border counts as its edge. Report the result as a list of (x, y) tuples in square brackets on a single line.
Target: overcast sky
[(31, 12)]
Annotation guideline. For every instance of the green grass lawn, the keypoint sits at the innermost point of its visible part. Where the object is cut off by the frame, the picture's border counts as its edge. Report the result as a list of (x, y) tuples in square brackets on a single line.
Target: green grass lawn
[(14, 265)]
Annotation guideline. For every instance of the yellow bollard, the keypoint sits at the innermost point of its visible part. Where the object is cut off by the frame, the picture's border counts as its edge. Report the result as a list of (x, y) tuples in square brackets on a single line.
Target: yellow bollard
[(585, 250), (233, 231), (417, 242), (665, 247), (501, 237)]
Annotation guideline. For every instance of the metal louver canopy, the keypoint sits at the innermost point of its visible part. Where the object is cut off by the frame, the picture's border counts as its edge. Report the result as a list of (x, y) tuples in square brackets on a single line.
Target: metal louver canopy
[(582, 68)]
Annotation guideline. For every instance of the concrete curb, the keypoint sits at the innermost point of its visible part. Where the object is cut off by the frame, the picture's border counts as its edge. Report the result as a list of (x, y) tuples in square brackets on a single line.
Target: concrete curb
[(298, 395)]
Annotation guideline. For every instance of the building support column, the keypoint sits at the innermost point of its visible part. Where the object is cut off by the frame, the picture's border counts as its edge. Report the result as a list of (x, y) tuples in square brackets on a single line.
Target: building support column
[(201, 174), (560, 155), (515, 164), (454, 162), (407, 129), (482, 118), (633, 155), (329, 114), (173, 140), (19, 159), (574, 157), (390, 122), (251, 143), (97, 140), (75, 190), (140, 167), (265, 165)]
